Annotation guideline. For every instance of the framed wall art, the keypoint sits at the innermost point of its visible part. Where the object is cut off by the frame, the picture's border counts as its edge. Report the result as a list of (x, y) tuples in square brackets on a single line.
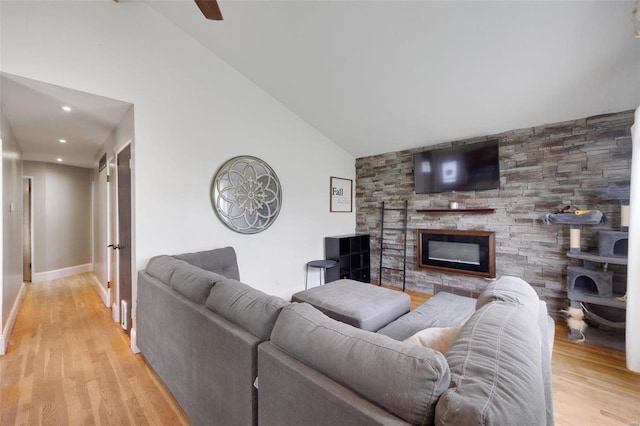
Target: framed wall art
[(246, 194), (340, 194)]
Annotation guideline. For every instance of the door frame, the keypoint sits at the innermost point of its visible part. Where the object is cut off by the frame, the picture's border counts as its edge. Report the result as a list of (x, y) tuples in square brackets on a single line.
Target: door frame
[(108, 237), (31, 225), (113, 236), (116, 238), (124, 237), (111, 290)]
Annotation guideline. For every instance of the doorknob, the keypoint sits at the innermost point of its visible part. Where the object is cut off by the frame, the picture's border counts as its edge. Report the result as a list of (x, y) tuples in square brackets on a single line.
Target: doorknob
[(114, 246)]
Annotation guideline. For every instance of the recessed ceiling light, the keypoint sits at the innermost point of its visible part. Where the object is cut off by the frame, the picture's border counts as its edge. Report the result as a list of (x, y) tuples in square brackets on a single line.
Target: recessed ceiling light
[(59, 160), (62, 140), (65, 108)]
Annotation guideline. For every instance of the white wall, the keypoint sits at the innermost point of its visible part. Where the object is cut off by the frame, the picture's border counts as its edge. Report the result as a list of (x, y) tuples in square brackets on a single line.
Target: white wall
[(192, 113), (61, 219), (68, 214), (633, 269), (11, 219)]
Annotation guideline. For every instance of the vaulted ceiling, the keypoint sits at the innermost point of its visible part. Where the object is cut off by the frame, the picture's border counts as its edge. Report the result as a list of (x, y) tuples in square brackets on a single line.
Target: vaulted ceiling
[(381, 76)]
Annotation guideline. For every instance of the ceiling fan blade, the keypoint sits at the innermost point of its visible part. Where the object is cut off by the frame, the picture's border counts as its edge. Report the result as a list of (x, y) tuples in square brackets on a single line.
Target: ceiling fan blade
[(210, 9)]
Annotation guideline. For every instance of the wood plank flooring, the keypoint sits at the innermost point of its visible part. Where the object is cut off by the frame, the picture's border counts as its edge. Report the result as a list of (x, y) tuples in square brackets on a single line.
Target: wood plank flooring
[(69, 363), (591, 385)]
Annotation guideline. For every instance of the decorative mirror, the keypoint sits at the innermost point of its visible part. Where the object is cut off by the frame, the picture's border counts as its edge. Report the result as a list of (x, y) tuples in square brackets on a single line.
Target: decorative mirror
[(246, 194)]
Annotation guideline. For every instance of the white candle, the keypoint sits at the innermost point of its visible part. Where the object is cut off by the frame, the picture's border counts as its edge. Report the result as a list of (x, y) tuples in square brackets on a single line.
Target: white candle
[(574, 237), (624, 216)]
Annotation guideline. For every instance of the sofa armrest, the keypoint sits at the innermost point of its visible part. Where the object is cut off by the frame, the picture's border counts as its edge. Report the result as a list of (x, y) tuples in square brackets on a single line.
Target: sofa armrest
[(293, 393), (404, 379), (496, 369), (222, 261), (208, 363), (547, 336)]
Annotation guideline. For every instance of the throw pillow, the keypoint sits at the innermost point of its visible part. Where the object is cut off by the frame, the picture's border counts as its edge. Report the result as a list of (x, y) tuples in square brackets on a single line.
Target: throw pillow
[(437, 338)]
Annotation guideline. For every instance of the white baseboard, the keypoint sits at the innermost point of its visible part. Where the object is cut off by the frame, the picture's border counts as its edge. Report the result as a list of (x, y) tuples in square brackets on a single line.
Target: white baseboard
[(104, 293), (115, 311), (6, 333), (61, 273), (133, 336)]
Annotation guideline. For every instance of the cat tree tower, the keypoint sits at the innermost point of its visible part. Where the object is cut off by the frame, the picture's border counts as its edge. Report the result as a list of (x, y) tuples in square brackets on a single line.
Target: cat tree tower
[(591, 287)]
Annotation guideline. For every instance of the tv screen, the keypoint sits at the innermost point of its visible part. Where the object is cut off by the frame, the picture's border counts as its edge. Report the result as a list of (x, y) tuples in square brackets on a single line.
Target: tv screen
[(462, 168)]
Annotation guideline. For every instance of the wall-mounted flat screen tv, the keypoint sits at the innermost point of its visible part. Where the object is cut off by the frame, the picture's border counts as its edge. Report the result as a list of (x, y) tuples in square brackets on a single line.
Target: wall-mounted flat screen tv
[(461, 168)]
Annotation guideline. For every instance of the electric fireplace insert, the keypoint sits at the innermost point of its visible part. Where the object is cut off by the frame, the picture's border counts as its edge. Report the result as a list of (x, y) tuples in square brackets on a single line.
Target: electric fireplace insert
[(461, 252)]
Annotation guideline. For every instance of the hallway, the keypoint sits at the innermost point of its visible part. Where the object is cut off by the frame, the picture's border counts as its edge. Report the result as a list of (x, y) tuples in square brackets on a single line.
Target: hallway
[(69, 363)]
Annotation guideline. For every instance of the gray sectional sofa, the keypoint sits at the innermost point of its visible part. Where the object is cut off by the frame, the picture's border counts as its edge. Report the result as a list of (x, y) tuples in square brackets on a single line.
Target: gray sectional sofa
[(209, 337), (199, 328)]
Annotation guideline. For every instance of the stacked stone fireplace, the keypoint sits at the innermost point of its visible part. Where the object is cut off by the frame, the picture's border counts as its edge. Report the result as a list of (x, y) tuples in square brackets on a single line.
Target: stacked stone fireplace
[(542, 168)]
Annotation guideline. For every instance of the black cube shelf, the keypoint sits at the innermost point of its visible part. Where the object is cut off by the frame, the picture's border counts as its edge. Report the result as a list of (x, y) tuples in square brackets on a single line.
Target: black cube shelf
[(352, 253)]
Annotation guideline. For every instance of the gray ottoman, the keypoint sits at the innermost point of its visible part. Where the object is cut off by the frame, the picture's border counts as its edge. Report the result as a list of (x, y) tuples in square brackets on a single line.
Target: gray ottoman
[(361, 305)]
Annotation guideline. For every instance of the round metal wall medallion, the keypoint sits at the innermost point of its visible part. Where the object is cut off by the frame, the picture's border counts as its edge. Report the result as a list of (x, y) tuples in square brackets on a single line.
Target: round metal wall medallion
[(246, 194)]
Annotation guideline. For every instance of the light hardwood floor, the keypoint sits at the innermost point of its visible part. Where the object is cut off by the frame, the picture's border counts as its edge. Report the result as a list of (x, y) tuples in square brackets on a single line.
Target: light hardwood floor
[(68, 363)]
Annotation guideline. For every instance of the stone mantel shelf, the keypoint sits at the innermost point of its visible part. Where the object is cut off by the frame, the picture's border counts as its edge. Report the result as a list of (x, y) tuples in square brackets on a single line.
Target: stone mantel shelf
[(461, 211)]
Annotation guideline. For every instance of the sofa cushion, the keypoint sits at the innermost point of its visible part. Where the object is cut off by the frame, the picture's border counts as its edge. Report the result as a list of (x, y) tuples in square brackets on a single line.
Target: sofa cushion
[(495, 364), (362, 305), (245, 306), (403, 379), (222, 261), (437, 338), (441, 310), (193, 283), (162, 267), (510, 289)]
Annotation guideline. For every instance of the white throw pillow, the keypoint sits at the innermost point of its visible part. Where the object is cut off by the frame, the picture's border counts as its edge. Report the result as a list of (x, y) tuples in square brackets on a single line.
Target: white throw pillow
[(437, 338)]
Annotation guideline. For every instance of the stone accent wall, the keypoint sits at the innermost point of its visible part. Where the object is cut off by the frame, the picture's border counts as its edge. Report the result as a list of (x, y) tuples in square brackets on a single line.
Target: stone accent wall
[(541, 169)]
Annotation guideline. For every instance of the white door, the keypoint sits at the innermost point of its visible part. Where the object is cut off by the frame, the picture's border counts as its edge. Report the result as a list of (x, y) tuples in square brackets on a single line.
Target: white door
[(26, 230)]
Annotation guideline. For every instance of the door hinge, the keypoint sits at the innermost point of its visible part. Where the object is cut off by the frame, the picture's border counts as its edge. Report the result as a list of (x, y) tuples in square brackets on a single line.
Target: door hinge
[(108, 284), (108, 179), (130, 163)]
